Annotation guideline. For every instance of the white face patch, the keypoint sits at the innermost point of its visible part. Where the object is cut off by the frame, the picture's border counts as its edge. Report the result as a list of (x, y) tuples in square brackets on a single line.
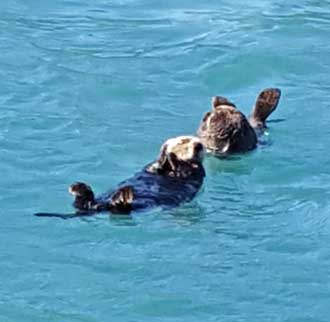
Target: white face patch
[(184, 147)]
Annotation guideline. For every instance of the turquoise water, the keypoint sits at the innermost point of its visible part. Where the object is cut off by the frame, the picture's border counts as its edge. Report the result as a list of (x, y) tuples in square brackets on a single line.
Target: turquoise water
[(90, 89)]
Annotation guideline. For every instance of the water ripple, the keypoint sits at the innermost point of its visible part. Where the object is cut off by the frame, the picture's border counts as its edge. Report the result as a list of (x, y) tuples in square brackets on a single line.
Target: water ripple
[(90, 90)]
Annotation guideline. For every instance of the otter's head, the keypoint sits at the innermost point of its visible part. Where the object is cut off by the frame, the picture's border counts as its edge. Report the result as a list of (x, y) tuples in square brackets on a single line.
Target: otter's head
[(222, 113), (220, 126), (185, 148)]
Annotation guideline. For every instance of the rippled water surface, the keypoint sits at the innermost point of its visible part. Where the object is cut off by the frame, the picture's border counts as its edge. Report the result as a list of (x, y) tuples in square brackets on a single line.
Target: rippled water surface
[(90, 89)]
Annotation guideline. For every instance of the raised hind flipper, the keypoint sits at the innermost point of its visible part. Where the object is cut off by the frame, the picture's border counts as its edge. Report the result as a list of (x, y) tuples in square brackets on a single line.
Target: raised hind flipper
[(221, 101), (84, 196), (265, 105), (121, 201)]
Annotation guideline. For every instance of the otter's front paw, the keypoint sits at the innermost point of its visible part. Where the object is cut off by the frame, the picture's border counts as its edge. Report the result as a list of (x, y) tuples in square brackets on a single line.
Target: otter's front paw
[(121, 201)]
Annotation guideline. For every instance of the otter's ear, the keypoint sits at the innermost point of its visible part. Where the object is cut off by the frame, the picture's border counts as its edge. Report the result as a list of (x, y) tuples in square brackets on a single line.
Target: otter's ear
[(206, 116), (203, 124)]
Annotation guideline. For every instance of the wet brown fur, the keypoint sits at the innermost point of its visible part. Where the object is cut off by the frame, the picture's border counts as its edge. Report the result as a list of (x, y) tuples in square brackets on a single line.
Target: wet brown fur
[(226, 130)]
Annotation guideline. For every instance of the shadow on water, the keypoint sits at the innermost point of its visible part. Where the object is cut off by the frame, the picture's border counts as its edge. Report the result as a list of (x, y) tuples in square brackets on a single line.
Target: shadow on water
[(239, 164), (186, 215), (242, 163), (276, 121), (122, 220)]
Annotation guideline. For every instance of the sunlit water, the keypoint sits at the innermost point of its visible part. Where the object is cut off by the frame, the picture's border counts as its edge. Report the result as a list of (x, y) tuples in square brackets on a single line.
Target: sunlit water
[(90, 89)]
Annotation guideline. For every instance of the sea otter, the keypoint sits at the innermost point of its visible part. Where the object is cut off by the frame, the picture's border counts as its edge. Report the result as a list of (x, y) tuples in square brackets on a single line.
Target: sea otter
[(174, 178), (225, 130)]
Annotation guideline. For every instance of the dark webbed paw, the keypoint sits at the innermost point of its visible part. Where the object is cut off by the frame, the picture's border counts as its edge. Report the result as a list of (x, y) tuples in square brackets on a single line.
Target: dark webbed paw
[(165, 165), (170, 163), (176, 168), (121, 201)]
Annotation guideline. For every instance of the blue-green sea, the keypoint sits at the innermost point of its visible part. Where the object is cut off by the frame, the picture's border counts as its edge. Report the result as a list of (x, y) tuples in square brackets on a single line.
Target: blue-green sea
[(89, 90)]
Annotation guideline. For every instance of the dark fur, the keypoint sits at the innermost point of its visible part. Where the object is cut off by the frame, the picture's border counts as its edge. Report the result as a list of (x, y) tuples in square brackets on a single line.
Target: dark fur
[(225, 130), (166, 183), (227, 127), (167, 187)]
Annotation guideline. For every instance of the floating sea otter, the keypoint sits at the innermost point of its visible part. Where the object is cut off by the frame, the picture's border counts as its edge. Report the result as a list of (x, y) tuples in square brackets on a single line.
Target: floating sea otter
[(226, 130), (174, 178)]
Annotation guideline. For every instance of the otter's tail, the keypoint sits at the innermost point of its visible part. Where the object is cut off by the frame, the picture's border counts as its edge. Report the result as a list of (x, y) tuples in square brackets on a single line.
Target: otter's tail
[(64, 216), (265, 105), (122, 200)]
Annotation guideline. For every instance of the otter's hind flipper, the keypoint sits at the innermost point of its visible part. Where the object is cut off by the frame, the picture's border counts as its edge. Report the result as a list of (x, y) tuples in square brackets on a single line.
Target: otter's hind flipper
[(121, 201), (84, 196), (265, 105), (220, 100)]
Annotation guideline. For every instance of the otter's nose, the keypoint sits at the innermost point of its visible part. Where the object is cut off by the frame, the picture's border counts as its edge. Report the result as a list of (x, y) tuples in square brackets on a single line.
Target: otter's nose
[(199, 147)]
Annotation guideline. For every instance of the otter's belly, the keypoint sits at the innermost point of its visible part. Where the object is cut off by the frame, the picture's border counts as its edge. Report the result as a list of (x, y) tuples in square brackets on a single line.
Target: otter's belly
[(152, 190)]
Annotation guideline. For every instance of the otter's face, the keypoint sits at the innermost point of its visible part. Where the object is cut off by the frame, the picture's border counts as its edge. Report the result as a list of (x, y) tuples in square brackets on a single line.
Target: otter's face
[(214, 123), (222, 113), (185, 148), (218, 125)]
